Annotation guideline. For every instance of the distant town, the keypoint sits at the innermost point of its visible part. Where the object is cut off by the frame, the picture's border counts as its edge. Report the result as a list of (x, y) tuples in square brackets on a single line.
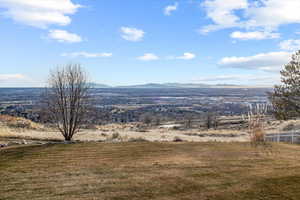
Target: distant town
[(131, 104)]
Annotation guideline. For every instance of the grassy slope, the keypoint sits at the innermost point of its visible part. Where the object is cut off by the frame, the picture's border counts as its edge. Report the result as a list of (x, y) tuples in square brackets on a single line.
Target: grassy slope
[(150, 171)]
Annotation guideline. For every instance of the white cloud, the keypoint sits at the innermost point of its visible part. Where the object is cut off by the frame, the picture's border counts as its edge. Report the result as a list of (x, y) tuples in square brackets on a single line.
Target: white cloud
[(40, 13), (18, 80), (148, 57), (273, 61), (64, 36), (242, 79), (151, 56), (185, 56), (272, 13), (171, 8), (132, 34), (290, 45), (86, 54), (221, 12), (11, 77), (265, 15), (218, 78), (255, 35)]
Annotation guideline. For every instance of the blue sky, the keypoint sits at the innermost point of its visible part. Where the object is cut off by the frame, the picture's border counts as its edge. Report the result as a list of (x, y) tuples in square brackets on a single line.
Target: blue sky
[(123, 42)]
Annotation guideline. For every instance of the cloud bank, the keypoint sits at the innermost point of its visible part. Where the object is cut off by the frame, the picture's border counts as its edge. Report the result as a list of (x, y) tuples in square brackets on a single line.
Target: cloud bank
[(270, 62), (40, 13)]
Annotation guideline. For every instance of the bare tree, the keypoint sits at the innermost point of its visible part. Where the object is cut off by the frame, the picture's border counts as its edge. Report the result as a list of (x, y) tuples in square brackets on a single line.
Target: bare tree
[(208, 120), (157, 120), (188, 121), (67, 99), (211, 120), (146, 119), (215, 121)]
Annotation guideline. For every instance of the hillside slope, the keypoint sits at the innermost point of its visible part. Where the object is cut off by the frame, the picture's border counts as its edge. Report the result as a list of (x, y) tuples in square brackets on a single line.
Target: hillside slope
[(215, 171)]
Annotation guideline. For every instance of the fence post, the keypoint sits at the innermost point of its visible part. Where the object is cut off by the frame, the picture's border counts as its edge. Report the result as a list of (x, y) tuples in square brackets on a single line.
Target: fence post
[(278, 137), (293, 137)]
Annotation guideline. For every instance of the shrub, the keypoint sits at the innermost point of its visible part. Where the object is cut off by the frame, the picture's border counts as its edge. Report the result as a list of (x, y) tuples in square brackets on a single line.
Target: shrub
[(141, 128), (289, 127), (115, 135), (146, 119), (18, 122), (256, 117), (177, 139), (176, 128), (138, 139)]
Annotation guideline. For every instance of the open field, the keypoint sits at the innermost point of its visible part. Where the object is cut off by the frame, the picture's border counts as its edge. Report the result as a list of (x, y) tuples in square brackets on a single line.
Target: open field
[(215, 171)]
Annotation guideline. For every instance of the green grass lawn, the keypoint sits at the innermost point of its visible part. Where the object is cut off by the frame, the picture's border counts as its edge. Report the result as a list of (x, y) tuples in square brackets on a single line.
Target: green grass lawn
[(200, 171)]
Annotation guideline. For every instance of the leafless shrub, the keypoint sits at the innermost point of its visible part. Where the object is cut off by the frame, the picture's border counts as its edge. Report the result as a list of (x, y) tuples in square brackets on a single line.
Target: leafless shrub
[(141, 128), (115, 136), (256, 120), (67, 99), (177, 139), (211, 120), (176, 128), (146, 119), (157, 120), (188, 122), (215, 121)]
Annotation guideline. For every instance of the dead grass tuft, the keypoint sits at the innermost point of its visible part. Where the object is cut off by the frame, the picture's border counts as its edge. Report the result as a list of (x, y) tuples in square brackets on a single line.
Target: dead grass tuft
[(256, 121)]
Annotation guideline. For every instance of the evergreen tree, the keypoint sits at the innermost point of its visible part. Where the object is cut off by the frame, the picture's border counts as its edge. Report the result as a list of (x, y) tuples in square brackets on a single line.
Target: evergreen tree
[(285, 98)]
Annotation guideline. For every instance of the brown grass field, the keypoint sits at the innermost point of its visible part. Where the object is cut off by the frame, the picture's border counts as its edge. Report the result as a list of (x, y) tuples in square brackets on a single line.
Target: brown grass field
[(144, 170)]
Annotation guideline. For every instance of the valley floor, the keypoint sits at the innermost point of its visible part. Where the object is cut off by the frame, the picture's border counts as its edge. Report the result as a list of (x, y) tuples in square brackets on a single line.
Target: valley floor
[(150, 170)]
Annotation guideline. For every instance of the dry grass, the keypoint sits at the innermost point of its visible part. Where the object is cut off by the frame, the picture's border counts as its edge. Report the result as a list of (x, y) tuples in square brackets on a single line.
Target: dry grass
[(139, 171), (124, 135), (128, 132), (19, 122)]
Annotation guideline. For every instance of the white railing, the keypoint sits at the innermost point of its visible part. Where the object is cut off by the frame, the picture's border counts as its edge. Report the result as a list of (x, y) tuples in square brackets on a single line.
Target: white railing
[(288, 137)]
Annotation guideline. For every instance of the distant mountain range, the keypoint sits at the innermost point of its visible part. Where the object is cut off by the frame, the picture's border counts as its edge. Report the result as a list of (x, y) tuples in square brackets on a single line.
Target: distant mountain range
[(99, 85), (173, 85)]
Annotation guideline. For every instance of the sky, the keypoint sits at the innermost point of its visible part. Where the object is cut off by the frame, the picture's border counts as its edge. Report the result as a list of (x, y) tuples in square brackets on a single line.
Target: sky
[(126, 42)]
